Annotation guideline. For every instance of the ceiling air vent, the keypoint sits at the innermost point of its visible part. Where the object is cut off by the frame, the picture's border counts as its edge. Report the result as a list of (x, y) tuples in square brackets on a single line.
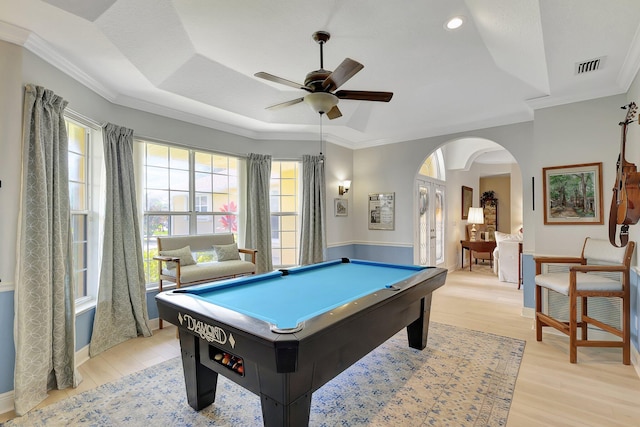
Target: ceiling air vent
[(590, 65)]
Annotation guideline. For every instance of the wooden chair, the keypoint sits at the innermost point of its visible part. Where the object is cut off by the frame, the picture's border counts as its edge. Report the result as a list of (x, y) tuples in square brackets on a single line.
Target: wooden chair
[(602, 270)]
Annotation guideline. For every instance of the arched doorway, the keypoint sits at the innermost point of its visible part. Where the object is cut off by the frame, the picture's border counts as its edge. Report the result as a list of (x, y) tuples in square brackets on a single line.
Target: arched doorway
[(464, 162)]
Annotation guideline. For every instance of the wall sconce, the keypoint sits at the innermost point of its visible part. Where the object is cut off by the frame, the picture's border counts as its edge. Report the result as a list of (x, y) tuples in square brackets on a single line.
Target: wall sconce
[(344, 188)]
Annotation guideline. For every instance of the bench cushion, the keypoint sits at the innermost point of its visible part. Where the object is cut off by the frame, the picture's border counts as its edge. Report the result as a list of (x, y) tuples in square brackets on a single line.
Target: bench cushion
[(211, 270)]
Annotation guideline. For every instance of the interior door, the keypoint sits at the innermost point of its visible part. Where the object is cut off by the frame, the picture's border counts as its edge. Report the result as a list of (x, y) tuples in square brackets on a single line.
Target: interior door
[(430, 217)]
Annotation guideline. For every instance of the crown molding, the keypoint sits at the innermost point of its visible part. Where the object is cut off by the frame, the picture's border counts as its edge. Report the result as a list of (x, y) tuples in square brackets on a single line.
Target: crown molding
[(631, 64)]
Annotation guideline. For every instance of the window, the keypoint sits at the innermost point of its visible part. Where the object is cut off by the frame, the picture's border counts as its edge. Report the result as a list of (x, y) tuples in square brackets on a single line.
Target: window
[(78, 195), (82, 155), (186, 192), (284, 202), (433, 166)]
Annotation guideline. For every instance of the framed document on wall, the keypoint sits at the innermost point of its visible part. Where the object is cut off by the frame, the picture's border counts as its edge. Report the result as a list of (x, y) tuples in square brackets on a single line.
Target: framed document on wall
[(381, 211)]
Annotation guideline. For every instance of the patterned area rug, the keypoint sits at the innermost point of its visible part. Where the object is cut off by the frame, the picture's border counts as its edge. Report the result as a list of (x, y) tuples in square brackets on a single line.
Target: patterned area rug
[(462, 378)]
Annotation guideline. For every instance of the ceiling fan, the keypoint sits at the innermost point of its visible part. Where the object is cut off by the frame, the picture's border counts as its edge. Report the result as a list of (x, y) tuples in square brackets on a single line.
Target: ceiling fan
[(322, 83)]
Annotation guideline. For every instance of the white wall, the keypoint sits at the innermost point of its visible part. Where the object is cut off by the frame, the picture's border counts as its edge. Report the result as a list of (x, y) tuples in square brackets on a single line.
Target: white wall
[(583, 132), (517, 183), (10, 165), (338, 167)]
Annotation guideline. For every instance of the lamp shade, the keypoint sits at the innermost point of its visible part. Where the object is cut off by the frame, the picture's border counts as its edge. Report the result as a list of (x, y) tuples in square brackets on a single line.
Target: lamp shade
[(476, 216)]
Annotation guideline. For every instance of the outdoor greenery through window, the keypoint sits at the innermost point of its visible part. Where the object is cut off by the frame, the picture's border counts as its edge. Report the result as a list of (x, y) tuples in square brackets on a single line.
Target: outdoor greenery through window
[(284, 213), (78, 156), (186, 192)]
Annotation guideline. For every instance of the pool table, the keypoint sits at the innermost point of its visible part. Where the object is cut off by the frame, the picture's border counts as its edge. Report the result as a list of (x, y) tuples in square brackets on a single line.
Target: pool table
[(284, 334)]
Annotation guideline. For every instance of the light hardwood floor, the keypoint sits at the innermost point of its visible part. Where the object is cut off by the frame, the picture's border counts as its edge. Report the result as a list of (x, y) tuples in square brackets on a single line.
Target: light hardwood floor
[(597, 391)]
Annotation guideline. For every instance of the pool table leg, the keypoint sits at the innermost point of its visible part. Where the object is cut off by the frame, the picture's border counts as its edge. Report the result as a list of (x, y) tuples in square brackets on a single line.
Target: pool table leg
[(418, 330), (200, 381), (296, 413)]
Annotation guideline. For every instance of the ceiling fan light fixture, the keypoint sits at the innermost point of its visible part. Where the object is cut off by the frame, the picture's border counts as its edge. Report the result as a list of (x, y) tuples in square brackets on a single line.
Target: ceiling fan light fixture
[(321, 102)]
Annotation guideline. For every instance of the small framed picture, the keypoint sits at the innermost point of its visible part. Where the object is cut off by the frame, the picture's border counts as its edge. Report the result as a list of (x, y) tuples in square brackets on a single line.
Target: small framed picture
[(341, 207)]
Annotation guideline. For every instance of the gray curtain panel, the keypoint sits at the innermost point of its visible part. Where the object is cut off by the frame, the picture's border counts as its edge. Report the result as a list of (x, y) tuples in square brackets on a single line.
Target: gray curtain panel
[(44, 326), (312, 232), (258, 229), (121, 312)]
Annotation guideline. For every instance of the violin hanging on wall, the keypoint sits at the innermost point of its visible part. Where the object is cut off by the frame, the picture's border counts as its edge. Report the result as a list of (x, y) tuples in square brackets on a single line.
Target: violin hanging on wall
[(625, 203)]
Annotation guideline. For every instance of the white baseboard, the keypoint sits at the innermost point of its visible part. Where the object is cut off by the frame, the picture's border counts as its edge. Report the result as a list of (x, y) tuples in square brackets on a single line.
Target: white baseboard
[(6, 402), (528, 312), (82, 355)]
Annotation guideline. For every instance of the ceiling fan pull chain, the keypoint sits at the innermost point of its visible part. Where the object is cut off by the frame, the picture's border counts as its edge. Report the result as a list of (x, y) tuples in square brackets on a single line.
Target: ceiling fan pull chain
[(321, 131)]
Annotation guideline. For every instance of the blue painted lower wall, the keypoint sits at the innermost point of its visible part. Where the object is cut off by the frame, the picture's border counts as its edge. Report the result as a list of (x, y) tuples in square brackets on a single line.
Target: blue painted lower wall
[(7, 348), (528, 280), (392, 254)]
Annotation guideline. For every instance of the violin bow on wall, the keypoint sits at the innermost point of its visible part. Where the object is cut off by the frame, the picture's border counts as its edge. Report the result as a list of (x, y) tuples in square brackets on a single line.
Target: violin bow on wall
[(625, 203)]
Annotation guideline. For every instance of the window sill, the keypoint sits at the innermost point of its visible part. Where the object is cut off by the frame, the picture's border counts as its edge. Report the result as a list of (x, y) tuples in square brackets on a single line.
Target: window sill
[(85, 305)]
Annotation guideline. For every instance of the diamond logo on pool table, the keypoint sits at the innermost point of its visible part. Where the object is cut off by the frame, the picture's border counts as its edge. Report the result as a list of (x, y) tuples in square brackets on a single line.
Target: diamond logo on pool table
[(232, 341)]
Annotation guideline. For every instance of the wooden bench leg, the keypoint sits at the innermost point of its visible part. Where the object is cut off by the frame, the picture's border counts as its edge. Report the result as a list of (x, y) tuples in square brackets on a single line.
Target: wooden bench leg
[(160, 318)]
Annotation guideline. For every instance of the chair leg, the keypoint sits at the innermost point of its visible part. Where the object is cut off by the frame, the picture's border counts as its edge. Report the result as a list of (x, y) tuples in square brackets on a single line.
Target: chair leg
[(626, 334), (538, 297), (160, 318), (573, 346), (585, 326)]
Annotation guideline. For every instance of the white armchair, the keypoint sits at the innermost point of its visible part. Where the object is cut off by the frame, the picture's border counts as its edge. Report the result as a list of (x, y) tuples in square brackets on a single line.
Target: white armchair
[(506, 257)]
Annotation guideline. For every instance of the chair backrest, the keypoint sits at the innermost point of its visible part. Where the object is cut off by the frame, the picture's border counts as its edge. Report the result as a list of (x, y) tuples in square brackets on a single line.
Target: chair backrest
[(602, 252), (199, 243)]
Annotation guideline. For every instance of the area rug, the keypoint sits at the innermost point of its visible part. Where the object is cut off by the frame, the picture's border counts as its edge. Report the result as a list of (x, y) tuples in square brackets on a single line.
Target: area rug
[(462, 378)]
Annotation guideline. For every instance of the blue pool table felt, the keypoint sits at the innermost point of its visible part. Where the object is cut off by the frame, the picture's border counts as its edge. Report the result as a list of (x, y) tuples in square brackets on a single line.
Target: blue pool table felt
[(287, 300)]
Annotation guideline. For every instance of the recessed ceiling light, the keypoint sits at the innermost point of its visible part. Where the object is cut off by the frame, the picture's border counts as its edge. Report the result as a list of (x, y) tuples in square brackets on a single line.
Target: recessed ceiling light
[(454, 23)]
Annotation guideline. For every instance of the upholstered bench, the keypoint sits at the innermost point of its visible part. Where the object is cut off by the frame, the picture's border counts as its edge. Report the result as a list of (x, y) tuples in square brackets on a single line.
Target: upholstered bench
[(176, 263)]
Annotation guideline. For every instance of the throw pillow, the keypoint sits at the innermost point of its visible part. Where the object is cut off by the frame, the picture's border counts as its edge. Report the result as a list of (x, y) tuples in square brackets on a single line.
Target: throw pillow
[(227, 252), (183, 253)]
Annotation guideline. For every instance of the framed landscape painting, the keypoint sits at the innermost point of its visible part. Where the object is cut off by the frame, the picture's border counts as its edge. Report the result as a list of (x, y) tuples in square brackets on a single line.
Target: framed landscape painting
[(573, 194)]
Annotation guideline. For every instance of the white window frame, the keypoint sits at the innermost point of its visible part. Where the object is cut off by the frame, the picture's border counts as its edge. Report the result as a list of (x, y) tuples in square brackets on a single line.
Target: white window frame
[(94, 170), (192, 211), (295, 214)]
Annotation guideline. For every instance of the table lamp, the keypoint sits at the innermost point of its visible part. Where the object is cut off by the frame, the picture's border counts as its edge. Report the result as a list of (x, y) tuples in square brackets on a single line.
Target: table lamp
[(476, 216)]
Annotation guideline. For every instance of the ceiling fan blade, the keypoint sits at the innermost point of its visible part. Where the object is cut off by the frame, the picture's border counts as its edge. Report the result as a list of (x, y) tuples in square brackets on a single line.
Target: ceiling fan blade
[(364, 95), (347, 69), (280, 80), (285, 104), (334, 113)]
